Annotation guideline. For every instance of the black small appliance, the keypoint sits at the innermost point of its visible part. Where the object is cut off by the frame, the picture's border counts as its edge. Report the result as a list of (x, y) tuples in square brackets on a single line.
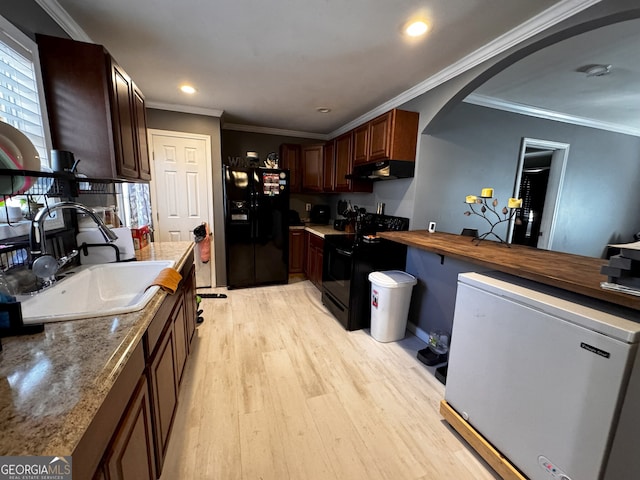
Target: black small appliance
[(294, 218), (320, 214)]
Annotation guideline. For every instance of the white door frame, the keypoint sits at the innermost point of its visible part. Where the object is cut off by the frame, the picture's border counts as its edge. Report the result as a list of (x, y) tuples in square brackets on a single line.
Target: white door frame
[(554, 187), (209, 168)]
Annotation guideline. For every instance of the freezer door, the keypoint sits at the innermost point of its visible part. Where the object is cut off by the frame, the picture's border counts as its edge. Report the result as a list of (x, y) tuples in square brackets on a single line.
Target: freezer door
[(535, 386), (271, 227), (239, 227)]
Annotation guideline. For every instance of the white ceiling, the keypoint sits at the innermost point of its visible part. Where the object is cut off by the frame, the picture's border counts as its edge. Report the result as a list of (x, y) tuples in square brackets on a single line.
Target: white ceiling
[(271, 63), (551, 80)]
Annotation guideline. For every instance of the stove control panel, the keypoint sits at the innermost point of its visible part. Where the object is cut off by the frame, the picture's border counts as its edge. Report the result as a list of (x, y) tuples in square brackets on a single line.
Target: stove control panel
[(385, 223)]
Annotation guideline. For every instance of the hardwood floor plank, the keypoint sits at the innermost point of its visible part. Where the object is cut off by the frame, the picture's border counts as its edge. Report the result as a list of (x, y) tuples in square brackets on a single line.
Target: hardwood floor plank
[(348, 452), (262, 450), (303, 448), (275, 388), (250, 368)]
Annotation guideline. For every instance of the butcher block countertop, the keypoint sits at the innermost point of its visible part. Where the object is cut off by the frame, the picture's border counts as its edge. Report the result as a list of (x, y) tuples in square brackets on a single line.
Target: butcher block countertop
[(574, 273)]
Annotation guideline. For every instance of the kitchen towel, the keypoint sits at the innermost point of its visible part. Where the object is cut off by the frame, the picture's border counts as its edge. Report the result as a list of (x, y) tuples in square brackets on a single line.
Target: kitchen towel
[(203, 243), (168, 280)]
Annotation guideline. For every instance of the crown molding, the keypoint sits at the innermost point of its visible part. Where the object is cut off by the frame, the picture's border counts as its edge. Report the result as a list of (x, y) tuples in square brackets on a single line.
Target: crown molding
[(522, 109), (544, 20), (209, 112), (64, 20), (274, 131)]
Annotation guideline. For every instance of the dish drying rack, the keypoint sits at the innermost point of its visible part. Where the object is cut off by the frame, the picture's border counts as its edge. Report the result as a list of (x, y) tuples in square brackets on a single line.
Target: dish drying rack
[(11, 323), (53, 184)]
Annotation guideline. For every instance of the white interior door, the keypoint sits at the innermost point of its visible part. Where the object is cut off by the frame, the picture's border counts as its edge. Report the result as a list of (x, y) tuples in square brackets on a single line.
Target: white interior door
[(182, 191)]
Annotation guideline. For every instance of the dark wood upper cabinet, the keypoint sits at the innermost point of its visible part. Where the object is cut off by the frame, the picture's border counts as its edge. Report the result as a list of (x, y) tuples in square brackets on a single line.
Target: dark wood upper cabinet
[(140, 112), (379, 141), (124, 134), (361, 144), (329, 177), (344, 162), (94, 109), (290, 158), (344, 166), (312, 168), (393, 136)]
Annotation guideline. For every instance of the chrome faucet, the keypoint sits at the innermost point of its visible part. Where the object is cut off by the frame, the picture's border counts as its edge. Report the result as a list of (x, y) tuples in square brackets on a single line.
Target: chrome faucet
[(37, 239)]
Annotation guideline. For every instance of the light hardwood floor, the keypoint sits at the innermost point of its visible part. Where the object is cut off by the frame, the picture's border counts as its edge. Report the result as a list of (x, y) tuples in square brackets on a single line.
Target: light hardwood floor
[(277, 389)]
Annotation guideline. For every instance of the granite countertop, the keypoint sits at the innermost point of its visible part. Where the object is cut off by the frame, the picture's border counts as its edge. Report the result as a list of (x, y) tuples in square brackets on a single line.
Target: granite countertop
[(574, 273), (53, 383)]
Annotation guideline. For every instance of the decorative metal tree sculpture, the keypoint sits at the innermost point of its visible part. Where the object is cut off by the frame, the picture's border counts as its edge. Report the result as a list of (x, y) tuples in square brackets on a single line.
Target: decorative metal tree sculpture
[(489, 209)]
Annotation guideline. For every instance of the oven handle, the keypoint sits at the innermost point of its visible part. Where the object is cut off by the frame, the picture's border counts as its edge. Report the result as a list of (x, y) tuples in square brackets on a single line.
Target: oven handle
[(346, 253)]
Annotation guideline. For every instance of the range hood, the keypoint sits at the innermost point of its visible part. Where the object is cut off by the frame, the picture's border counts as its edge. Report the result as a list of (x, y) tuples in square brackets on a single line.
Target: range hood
[(385, 170)]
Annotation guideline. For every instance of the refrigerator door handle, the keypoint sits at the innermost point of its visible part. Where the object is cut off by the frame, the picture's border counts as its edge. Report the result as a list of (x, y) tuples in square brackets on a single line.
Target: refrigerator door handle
[(254, 213)]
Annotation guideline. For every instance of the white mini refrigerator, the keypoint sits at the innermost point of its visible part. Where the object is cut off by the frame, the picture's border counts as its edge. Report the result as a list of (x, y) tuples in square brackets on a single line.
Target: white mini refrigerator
[(548, 380)]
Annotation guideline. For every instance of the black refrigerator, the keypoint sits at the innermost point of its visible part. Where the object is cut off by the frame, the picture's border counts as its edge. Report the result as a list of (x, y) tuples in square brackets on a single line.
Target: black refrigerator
[(256, 226)]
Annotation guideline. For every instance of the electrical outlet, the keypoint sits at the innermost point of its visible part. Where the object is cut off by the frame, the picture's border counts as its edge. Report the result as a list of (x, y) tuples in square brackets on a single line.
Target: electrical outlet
[(307, 207)]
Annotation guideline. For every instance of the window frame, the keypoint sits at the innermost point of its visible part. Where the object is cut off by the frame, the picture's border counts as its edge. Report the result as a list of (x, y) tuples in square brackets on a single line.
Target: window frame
[(28, 48)]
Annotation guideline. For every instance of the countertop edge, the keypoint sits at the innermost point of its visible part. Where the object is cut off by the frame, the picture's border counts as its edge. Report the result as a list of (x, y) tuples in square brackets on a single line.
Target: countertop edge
[(318, 230), (72, 424), (581, 275)]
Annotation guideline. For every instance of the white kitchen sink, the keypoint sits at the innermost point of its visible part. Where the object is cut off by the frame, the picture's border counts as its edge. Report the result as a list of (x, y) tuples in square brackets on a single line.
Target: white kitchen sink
[(94, 291)]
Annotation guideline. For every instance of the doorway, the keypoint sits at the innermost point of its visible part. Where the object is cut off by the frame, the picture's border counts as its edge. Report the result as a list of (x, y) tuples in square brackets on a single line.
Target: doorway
[(539, 177), (182, 191)]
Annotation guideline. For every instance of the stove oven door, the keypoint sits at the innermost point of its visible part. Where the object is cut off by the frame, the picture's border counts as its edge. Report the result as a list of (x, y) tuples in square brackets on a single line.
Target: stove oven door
[(336, 275), (337, 268)]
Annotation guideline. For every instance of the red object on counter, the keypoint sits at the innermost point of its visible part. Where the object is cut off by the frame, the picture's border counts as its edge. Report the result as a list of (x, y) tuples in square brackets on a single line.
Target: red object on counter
[(140, 236)]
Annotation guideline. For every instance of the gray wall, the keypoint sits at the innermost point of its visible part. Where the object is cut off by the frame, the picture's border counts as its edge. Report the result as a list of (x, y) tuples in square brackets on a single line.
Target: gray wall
[(475, 147), (433, 298), (204, 125), (237, 143), (30, 18)]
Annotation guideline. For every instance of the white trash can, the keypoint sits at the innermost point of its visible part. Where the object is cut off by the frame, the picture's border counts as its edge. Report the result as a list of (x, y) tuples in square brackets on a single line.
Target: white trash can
[(390, 297)]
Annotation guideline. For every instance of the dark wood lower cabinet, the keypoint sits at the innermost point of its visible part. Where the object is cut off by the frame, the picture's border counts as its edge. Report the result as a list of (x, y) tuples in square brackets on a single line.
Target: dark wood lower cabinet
[(180, 333), (128, 438), (315, 247), (132, 456), (164, 391), (296, 251), (190, 307)]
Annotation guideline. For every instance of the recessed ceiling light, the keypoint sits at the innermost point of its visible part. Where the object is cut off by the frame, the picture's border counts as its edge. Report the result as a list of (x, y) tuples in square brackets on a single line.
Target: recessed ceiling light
[(416, 29), (598, 70), (188, 89), (323, 109)]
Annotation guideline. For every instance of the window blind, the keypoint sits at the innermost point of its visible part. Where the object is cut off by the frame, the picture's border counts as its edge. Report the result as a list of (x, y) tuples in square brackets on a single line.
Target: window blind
[(19, 99)]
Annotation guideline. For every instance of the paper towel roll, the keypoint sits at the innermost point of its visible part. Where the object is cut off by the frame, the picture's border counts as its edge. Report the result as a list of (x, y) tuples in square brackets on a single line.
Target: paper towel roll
[(105, 254)]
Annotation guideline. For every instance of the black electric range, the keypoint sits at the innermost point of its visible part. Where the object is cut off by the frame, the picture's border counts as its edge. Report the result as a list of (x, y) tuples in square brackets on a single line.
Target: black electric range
[(349, 259)]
